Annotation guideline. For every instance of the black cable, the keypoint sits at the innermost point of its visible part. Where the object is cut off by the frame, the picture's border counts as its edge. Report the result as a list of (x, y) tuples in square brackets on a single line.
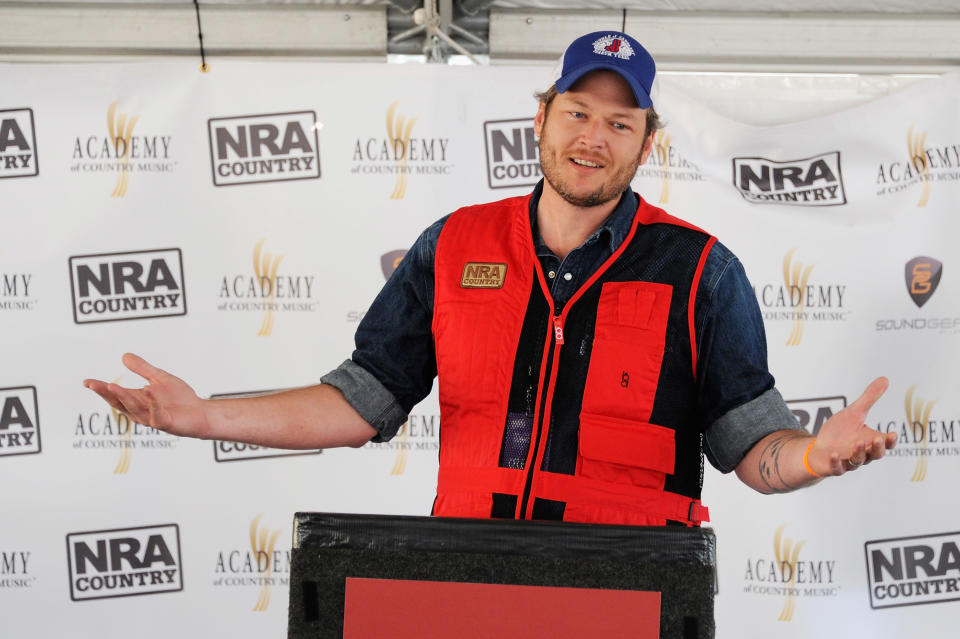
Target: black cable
[(622, 30), (203, 54)]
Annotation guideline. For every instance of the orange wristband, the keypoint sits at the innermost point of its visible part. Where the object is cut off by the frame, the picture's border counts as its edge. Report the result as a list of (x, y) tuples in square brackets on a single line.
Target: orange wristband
[(806, 464)]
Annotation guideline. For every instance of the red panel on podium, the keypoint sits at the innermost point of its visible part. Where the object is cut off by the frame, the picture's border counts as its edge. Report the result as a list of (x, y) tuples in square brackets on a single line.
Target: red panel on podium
[(401, 609)]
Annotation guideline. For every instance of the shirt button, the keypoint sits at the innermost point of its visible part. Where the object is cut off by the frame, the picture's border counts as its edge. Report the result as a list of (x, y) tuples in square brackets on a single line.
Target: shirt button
[(551, 275), (567, 276)]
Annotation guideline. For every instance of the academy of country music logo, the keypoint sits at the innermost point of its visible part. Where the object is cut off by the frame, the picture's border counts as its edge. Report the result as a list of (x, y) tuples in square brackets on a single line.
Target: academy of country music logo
[(813, 181), (667, 164), (18, 144), (15, 569), (127, 147), (418, 433), (15, 292), (908, 571), (922, 276), (131, 285), (259, 566), (19, 421), (389, 262), (920, 434), (922, 164), (792, 572), (267, 289), (812, 413), (800, 298), (114, 432), (268, 147), (513, 154), (124, 562), (401, 153), (224, 451)]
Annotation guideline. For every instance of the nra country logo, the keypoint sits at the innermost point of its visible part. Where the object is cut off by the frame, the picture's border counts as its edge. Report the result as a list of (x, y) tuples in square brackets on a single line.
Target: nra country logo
[(812, 413), (667, 164), (269, 288), (910, 571), (790, 572), (800, 298), (224, 451), (513, 154), (920, 435), (115, 432), (483, 275), (132, 285), (14, 570), (125, 149), (922, 276), (259, 566), (814, 181), (921, 166), (269, 147), (418, 433), (15, 292), (124, 562), (19, 421), (18, 144), (400, 153)]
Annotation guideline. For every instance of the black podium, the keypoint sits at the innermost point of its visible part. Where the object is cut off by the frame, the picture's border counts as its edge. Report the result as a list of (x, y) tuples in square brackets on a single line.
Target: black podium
[(375, 567)]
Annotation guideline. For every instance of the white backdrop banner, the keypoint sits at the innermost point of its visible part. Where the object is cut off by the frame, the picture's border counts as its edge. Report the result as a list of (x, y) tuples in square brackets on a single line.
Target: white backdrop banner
[(233, 227)]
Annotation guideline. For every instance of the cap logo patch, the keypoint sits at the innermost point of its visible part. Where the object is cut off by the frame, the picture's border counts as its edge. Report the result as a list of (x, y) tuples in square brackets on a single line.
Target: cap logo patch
[(613, 46), (483, 275)]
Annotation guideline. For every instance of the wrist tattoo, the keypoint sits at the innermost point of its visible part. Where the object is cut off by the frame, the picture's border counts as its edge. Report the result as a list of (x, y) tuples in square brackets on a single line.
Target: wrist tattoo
[(770, 463)]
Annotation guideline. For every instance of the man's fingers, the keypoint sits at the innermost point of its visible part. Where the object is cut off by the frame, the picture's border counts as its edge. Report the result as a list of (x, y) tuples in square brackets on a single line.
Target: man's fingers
[(142, 367), (102, 389), (874, 391), (132, 405)]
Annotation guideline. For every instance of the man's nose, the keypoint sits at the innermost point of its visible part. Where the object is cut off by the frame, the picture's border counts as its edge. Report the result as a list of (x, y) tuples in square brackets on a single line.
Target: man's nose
[(592, 133)]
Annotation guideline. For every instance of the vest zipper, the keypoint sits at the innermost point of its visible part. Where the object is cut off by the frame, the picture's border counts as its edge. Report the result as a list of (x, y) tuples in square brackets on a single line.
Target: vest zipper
[(557, 340)]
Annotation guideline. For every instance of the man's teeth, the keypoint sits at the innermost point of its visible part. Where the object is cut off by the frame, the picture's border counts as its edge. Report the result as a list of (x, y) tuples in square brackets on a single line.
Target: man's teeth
[(585, 163)]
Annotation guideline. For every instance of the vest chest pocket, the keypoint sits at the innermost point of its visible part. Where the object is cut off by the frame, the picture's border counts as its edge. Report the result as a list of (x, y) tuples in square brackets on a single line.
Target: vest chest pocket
[(627, 352)]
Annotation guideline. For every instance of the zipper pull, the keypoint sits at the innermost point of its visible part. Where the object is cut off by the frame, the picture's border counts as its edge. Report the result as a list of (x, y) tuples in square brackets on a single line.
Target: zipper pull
[(558, 329)]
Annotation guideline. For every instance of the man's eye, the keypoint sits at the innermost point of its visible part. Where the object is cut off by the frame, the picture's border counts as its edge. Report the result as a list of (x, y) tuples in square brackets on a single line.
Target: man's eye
[(620, 126), (578, 114)]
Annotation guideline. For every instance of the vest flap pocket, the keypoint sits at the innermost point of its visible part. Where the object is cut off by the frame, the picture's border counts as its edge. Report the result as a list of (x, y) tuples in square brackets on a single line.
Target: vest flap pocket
[(627, 442)]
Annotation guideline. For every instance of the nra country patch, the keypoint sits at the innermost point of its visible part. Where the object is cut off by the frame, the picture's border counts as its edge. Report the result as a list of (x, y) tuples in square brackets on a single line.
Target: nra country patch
[(483, 275)]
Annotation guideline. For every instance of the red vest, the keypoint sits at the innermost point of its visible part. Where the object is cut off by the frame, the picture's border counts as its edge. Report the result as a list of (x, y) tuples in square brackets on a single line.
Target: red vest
[(486, 271)]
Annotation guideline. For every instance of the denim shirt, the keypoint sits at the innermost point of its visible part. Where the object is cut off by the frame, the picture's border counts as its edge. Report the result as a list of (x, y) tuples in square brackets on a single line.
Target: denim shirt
[(394, 364)]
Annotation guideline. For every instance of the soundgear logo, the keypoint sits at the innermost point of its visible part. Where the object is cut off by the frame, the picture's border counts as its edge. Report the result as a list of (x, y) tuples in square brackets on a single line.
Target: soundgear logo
[(19, 421), (920, 435), (922, 276), (15, 292), (418, 433), (786, 575), (812, 413), (124, 562), (121, 151), (483, 275), (924, 165), (513, 155), (909, 571), (18, 144), (224, 451), (261, 564), (668, 165), (267, 291), (109, 287), (799, 301), (814, 181), (401, 154), (269, 147), (14, 572), (390, 261)]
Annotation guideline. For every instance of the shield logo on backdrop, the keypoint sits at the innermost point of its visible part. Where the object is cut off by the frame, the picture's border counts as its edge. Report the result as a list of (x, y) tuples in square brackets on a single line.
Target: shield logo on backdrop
[(390, 261), (922, 275)]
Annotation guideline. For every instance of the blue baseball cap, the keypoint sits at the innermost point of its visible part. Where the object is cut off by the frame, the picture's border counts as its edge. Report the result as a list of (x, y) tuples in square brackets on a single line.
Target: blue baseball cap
[(613, 51)]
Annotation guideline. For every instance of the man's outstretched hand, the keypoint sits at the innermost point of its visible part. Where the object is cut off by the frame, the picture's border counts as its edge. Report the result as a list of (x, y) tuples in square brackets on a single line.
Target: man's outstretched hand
[(166, 402), (845, 442)]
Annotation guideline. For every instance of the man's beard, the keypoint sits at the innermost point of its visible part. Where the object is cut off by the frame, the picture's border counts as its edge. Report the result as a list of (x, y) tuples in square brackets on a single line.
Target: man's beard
[(613, 189)]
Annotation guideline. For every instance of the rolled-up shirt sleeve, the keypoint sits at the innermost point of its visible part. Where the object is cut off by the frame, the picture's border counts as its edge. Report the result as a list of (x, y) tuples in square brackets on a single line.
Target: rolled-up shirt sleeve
[(736, 397)]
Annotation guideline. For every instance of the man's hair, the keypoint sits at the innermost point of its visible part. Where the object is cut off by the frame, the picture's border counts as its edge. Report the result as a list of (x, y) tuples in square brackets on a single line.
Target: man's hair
[(653, 118)]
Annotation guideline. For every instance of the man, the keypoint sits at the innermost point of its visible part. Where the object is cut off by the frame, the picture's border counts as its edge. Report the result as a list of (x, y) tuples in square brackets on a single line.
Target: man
[(589, 347)]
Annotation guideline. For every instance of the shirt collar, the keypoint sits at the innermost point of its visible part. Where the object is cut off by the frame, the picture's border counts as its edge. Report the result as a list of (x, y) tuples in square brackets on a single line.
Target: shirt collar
[(614, 229)]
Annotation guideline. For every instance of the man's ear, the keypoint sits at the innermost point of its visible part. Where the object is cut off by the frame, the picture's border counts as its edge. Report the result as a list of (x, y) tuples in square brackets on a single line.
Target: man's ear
[(539, 118), (647, 148)]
